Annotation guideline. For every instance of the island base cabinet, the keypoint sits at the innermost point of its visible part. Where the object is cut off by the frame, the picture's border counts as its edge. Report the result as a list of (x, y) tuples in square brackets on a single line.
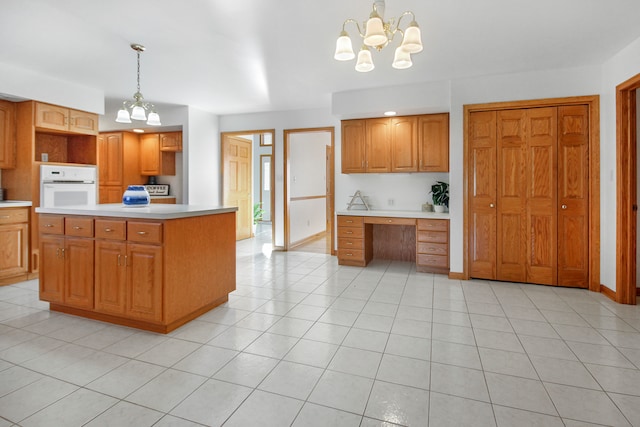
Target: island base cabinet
[(51, 269), (144, 282), (110, 277)]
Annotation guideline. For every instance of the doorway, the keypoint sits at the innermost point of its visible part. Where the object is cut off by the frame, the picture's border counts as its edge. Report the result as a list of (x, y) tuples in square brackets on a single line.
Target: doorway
[(248, 180), (309, 189), (627, 195)]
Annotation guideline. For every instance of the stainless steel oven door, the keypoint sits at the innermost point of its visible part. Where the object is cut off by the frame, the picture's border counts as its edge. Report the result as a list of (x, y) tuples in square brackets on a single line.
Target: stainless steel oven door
[(55, 195)]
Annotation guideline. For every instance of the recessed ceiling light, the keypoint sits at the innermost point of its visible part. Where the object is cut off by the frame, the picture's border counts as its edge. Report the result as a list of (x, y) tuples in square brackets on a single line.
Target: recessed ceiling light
[(138, 130), (390, 113)]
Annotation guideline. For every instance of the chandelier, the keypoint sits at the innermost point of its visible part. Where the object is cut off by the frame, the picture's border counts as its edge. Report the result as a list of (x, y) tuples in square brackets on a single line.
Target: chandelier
[(139, 107), (379, 34)]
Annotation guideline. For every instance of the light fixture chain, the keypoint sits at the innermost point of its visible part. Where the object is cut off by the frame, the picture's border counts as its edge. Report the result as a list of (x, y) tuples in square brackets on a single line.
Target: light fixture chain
[(138, 52)]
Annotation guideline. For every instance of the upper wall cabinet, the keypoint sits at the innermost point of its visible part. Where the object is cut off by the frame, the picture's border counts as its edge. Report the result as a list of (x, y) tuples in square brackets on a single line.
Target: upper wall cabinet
[(171, 141), (153, 161), (62, 119), (398, 144), (7, 135)]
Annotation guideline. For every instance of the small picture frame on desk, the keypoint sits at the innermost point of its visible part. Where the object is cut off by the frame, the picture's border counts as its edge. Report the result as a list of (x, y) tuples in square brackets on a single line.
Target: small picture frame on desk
[(157, 189)]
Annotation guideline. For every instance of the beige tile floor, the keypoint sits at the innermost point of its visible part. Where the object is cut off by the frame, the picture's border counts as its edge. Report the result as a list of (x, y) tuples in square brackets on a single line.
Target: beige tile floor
[(305, 342)]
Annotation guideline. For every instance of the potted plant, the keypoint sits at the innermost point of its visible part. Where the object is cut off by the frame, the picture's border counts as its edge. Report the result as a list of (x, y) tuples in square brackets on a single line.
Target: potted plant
[(258, 212), (440, 191)]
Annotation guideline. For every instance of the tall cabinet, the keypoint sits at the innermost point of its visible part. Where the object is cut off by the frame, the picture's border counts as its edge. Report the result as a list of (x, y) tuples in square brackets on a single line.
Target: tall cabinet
[(118, 165), (528, 195)]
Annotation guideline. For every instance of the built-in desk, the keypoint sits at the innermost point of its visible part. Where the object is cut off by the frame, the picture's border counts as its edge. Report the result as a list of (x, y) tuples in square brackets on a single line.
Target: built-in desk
[(420, 237)]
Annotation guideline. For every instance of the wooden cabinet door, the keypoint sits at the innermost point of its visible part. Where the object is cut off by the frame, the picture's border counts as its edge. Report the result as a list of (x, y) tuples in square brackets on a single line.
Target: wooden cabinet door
[(573, 196), (110, 159), (353, 146), (52, 268), (78, 262), (110, 194), (541, 220), (14, 256), (171, 141), (83, 122), (404, 148), (378, 147), (482, 195), (512, 162), (52, 117), (7, 135), (150, 154), (144, 282), (433, 143), (110, 277)]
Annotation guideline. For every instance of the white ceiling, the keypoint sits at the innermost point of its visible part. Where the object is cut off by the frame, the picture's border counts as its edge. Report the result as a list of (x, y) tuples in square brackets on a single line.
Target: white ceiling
[(238, 56)]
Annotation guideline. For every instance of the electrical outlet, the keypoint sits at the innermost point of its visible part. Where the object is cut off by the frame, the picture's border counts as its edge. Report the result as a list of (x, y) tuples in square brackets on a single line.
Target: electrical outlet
[(44, 157), (390, 202)]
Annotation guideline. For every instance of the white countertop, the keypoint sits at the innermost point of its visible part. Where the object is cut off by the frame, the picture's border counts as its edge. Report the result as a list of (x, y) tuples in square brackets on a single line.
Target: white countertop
[(14, 204), (152, 211), (395, 214)]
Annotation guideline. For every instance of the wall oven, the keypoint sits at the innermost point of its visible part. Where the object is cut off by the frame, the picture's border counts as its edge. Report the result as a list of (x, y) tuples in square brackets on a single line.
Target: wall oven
[(64, 185)]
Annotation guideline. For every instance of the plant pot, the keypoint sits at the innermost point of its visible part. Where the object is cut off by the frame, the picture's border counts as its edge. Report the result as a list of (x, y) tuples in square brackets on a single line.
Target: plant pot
[(438, 208)]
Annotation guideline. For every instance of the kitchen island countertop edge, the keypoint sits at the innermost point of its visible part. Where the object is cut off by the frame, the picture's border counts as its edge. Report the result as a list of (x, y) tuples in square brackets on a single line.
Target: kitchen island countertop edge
[(152, 211)]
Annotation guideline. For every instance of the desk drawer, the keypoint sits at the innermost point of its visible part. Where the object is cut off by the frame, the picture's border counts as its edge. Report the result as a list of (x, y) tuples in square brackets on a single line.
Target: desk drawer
[(111, 229), (433, 224), (51, 224), (351, 254), (351, 232), (347, 243), (433, 248), (389, 221), (433, 236), (78, 227), (144, 232), (349, 221), (14, 216), (433, 260)]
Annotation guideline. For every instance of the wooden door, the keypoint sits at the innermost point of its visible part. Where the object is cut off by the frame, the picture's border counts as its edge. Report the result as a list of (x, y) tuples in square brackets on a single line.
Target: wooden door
[(541, 220), (171, 141), (78, 265), (150, 154), (237, 181), (482, 194), (7, 135), (144, 282), (404, 148), (14, 242), (433, 143), (573, 196), (110, 277), (83, 122), (52, 268), (51, 117), (511, 231), (353, 146), (378, 149), (110, 159)]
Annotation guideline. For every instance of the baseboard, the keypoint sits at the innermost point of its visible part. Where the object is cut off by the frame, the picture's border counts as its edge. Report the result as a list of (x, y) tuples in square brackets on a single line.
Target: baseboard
[(608, 293), (308, 239), (456, 276)]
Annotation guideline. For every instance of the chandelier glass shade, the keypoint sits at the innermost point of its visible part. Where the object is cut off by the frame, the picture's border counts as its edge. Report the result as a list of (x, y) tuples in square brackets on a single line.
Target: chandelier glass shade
[(378, 34), (138, 109)]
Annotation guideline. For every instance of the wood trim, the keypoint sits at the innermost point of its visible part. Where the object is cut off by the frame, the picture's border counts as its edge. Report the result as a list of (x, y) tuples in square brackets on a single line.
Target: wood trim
[(593, 103), (330, 189), (297, 199), (307, 240), (273, 172), (626, 191), (456, 276), (608, 293)]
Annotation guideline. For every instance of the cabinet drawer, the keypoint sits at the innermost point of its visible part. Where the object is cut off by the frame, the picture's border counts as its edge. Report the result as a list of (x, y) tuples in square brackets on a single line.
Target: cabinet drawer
[(433, 224), (50, 224), (433, 260), (349, 221), (14, 216), (389, 221), (348, 244), (145, 232), (351, 254), (433, 236), (433, 248), (79, 227), (111, 229), (351, 232)]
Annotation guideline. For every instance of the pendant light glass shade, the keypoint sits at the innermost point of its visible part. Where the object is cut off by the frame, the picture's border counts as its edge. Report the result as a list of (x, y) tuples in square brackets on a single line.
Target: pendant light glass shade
[(375, 35), (401, 59), (154, 119), (412, 41), (137, 113), (365, 61), (123, 116), (344, 49)]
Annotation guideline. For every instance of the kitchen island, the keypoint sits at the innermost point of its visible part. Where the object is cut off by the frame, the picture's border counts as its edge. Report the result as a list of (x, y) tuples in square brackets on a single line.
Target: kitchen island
[(154, 267)]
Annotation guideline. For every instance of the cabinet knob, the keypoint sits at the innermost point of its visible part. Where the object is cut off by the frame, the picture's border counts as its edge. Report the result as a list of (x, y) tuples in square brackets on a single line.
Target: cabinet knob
[(491, 205), (564, 206), (389, 220)]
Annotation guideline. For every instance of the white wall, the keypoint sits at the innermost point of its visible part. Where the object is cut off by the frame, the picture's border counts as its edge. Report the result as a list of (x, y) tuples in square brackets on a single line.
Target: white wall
[(203, 181), (307, 178)]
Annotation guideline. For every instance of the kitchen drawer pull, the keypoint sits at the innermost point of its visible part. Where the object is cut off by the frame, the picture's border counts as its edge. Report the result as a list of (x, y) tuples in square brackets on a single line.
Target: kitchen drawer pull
[(348, 232), (108, 230), (389, 220), (349, 254), (5, 216), (48, 225), (142, 233), (77, 227), (349, 221)]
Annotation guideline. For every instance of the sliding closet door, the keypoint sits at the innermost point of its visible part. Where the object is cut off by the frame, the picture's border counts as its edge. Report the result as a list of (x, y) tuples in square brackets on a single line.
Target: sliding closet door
[(573, 197), (541, 216), (482, 194), (511, 226)]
